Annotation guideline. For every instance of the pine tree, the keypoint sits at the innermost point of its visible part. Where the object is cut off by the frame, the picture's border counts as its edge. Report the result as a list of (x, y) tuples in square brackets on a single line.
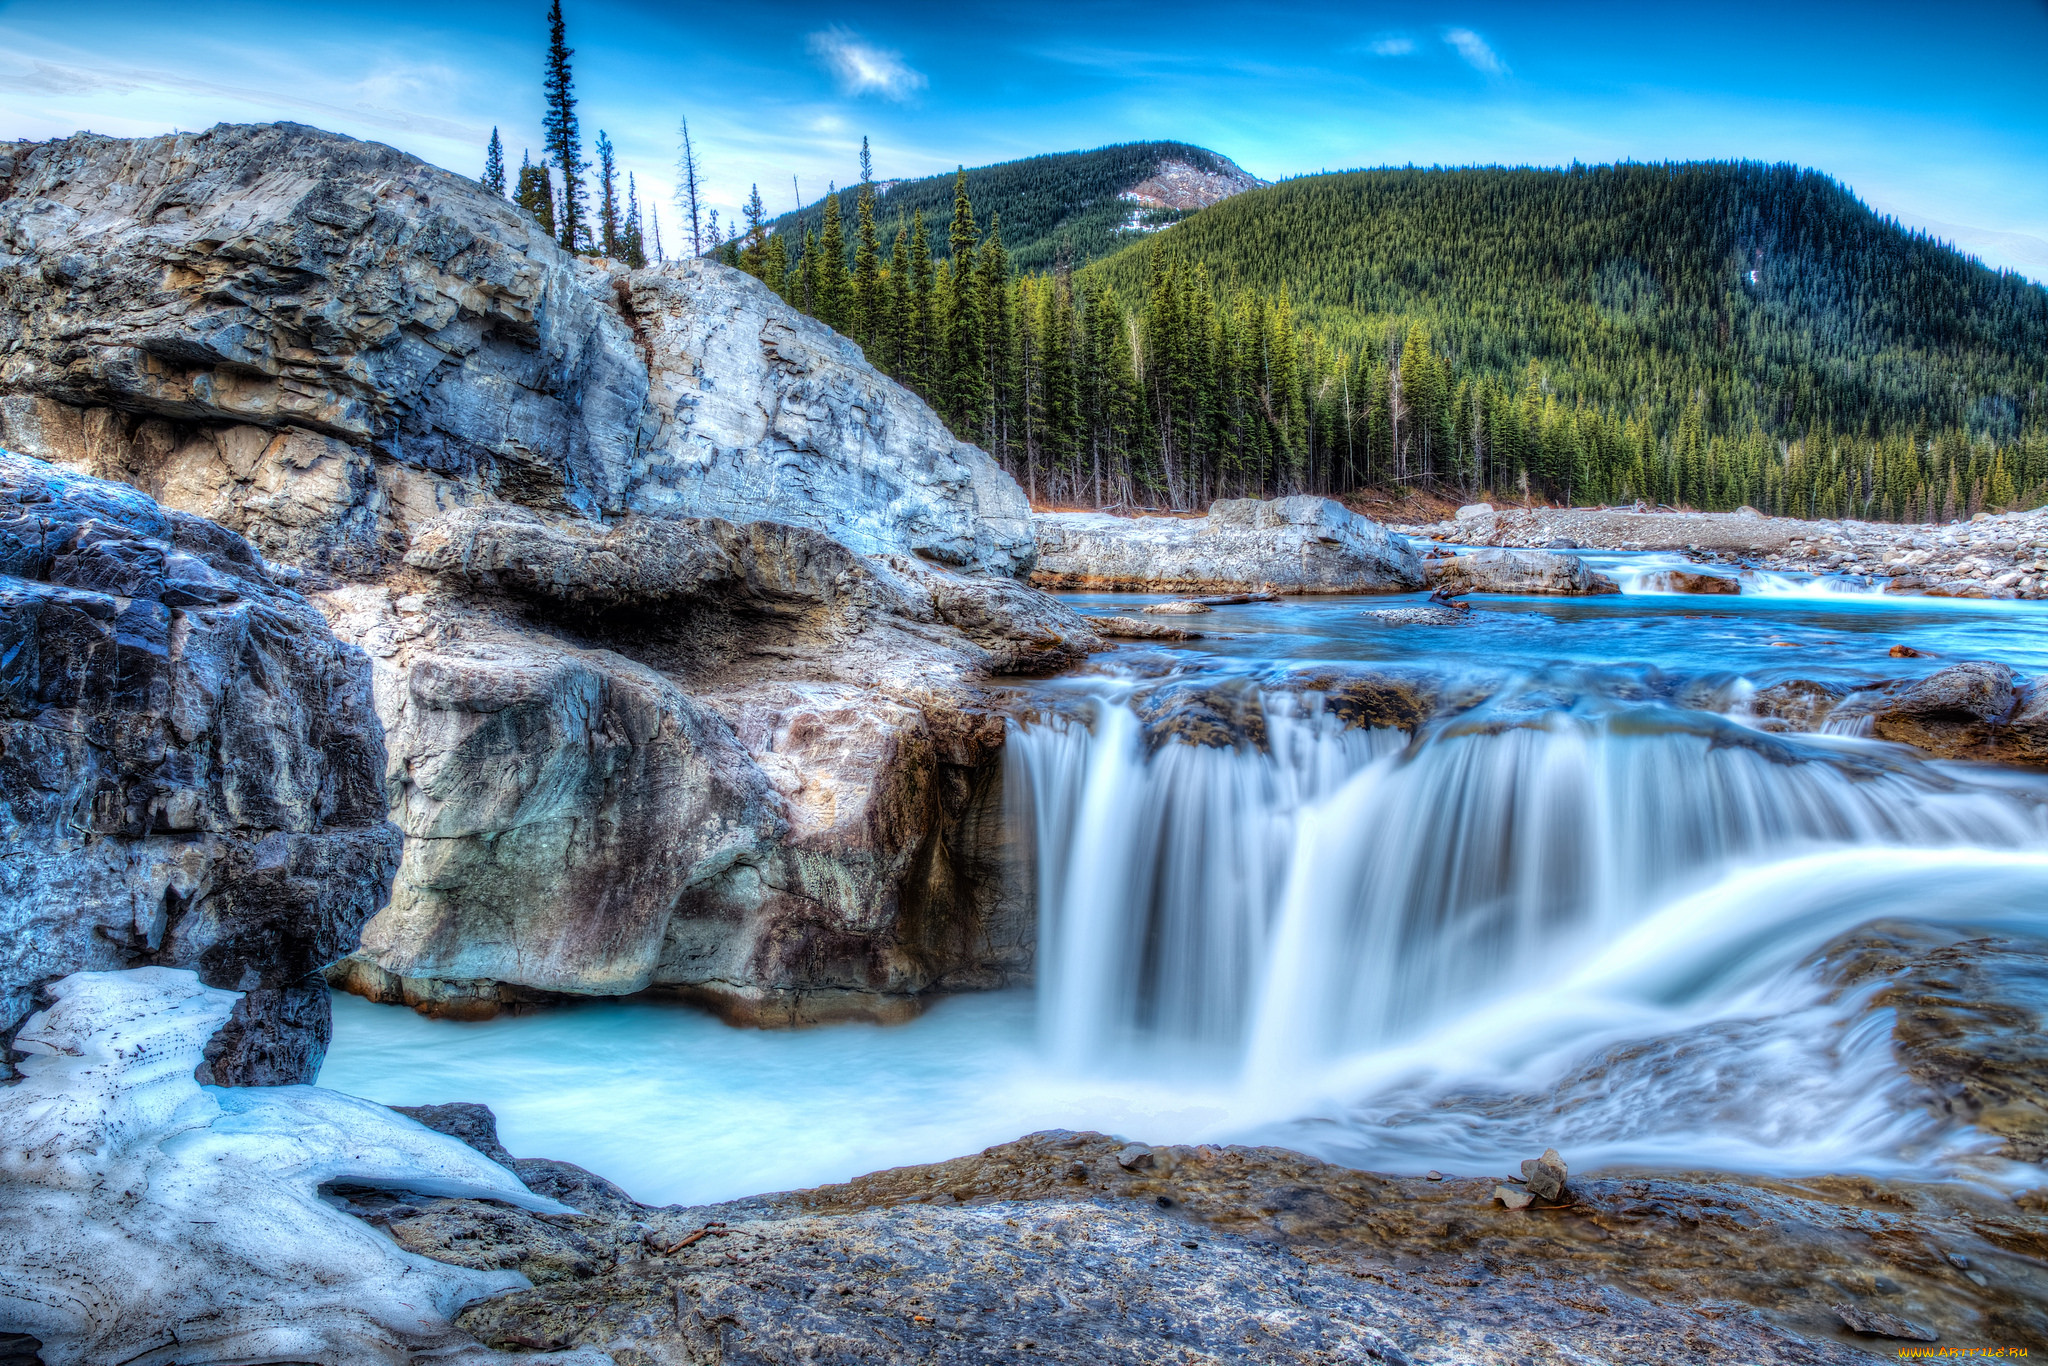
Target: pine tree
[(867, 264), (565, 143), (832, 302), (964, 390), (536, 194), (494, 165), (610, 227), (633, 240), (920, 362), (689, 182), (754, 256), (654, 222), (896, 321)]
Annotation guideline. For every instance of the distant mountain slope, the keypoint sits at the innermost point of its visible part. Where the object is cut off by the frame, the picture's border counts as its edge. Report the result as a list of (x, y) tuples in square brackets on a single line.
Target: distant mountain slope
[(1767, 293), (1080, 205)]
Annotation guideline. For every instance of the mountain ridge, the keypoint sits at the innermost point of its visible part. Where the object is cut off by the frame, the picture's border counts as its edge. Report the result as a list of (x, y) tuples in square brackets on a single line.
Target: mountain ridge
[(1057, 207)]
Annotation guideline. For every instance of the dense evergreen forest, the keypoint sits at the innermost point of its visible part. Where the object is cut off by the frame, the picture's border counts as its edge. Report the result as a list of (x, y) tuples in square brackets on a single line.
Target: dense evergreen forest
[(1706, 335), (1060, 209)]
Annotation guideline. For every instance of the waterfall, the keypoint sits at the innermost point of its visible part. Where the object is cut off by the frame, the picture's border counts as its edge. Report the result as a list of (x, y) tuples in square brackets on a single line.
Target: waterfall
[(1334, 892)]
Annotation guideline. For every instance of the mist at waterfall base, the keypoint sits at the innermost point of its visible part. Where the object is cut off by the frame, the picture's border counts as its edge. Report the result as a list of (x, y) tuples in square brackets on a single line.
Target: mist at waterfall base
[(1589, 912)]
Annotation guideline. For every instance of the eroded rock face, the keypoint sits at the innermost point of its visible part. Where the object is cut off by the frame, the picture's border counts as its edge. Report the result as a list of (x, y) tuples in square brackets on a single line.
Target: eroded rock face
[(742, 762), (189, 767), (630, 744), (1288, 545), (1520, 572)]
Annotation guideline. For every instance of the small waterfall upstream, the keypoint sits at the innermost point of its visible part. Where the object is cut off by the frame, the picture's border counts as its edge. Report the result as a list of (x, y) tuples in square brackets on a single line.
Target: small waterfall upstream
[(1338, 912)]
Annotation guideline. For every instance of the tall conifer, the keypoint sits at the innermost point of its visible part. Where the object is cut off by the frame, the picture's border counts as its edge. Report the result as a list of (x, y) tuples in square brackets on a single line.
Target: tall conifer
[(833, 304), (565, 143), (610, 237), (867, 265), (494, 165), (536, 194)]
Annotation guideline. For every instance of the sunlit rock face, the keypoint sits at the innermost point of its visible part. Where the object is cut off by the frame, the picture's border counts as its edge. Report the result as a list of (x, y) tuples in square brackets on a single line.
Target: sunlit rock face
[(190, 767), (144, 1218), (320, 343), (1301, 544), (727, 730)]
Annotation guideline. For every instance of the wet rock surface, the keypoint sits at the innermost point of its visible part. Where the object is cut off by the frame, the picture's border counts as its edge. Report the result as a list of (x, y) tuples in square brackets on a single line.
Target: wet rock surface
[(1287, 545), (190, 767), (1518, 572), (1978, 709), (1063, 1246)]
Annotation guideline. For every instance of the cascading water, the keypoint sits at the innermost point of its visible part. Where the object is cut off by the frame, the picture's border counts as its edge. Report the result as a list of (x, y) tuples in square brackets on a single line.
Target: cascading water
[(1354, 925)]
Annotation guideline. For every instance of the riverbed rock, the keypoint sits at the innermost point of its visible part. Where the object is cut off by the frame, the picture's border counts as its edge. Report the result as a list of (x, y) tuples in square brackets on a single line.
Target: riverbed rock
[(1301, 544), (1988, 556), (190, 767), (1521, 572), (1686, 581), (1425, 615), (1545, 1176), (680, 610), (1979, 709), (145, 1219), (1130, 628), (1796, 704), (1006, 1254), (1179, 608)]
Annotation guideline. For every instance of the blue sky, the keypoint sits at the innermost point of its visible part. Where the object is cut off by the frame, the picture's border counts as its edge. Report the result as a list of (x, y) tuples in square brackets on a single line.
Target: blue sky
[(1938, 114)]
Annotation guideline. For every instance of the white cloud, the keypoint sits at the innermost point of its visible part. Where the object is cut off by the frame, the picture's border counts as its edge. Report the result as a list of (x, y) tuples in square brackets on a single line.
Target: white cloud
[(862, 68), (1476, 53), (1393, 46)]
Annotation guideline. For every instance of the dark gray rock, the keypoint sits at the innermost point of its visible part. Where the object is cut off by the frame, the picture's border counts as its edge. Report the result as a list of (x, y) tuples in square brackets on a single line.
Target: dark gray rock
[(190, 767)]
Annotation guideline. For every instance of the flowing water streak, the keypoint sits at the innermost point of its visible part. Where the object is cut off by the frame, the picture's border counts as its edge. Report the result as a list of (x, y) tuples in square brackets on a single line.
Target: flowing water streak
[(1341, 892)]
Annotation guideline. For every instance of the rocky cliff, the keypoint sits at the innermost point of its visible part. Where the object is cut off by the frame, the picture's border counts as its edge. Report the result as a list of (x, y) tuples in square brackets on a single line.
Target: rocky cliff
[(190, 767), (679, 612)]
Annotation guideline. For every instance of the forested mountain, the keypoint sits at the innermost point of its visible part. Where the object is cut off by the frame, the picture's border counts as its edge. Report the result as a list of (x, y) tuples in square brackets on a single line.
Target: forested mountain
[(1705, 334), (1769, 294), (1069, 207)]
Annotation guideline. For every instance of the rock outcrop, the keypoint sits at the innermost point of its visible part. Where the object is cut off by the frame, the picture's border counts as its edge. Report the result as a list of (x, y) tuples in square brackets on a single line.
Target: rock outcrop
[(1301, 544), (738, 761), (321, 343), (144, 1219), (190, 767), (679, 610), (1520, 572)]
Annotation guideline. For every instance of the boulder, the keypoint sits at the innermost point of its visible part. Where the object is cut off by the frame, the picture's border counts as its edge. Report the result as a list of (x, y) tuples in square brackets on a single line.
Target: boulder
[(190, 767), (1979, 709), (143, 1211), (1685, 581), (1130, 628), (1519, 572), (1301, 544)]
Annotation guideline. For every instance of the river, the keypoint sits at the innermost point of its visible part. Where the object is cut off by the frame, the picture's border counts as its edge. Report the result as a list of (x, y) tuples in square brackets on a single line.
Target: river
[(1592, 908)]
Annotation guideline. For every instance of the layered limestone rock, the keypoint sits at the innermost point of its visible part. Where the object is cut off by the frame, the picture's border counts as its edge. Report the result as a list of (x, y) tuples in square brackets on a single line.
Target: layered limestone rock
[(1521, 572), (321, 343), (1301, 544), (190, 766), (694, 694), (145, 1219)]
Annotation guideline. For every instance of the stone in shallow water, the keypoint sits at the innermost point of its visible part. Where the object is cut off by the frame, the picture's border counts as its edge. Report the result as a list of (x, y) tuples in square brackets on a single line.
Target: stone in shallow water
[(1878, 1324)]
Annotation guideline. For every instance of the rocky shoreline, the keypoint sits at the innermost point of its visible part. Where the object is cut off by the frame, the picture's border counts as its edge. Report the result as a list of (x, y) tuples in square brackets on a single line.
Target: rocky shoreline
[(2003, 555)]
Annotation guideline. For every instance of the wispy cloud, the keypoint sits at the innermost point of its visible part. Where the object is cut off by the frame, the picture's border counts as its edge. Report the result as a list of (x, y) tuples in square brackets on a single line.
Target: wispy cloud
[(862, 68), (1393, 45), (1476, 53)]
